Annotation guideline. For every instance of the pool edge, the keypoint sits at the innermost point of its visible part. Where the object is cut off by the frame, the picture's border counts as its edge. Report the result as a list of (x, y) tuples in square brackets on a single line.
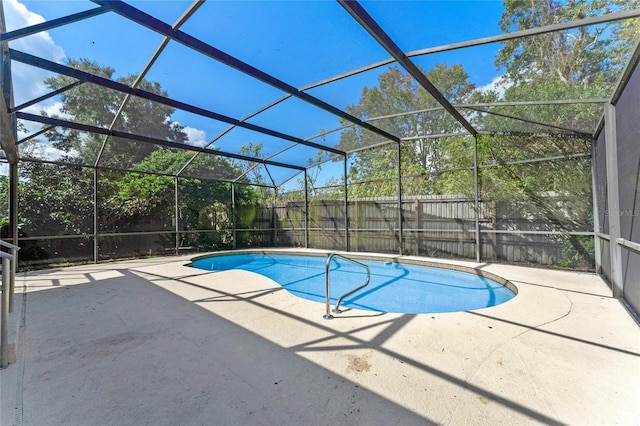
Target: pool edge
[(411, 260)]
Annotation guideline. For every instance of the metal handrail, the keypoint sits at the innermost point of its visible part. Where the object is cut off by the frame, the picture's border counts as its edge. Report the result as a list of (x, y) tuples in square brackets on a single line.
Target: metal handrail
[(12, 276), (3, 243), (6, 303), (330, 257)]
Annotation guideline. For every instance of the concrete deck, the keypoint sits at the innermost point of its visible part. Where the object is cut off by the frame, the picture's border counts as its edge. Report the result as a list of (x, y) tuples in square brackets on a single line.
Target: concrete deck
[(154, 342)]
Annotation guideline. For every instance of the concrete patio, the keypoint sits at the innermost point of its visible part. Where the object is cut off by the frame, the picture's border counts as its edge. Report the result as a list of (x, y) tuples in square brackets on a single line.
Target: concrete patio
[(156, 342)]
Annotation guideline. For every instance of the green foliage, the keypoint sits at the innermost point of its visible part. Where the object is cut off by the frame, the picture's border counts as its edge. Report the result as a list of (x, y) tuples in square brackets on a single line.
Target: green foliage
[(97, 106), (582, 55), (397, 93), (4, 199), (578, 252), (55, 199)]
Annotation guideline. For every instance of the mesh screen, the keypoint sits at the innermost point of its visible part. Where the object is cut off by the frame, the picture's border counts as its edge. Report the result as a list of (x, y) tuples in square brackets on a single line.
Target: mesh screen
[(54, 199), (628, 135), (153, 197), (576, 118), (63, 145), (126, 246), (290, 213), (254, 216), (439, 225), (374, 224), (327, 224), (37, 253), (601, 187), (135, 202)]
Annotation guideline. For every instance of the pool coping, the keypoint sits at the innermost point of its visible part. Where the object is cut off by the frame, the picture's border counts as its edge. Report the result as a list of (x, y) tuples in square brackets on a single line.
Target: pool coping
[(376, 257)]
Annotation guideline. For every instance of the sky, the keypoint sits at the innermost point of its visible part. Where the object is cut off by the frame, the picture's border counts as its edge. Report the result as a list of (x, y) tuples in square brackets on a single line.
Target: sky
[(298, 42)]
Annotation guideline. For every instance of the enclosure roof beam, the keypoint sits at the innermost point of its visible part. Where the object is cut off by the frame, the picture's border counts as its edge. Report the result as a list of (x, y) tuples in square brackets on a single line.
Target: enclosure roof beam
[(594, 20), (535, 134), (8, 124), (435, 136), (458, 105), (368, 23), (35, 135), (28, 59), (146, 139), (160, 27), (46, 96), (585, 22), (268, 157), (54, 23), (163, 44), (7, 138), (145, 172), (526, 120), (631, 65), (230, 128)]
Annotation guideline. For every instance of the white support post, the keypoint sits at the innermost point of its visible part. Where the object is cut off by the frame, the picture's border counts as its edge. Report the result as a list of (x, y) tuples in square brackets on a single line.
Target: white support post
[(233, 216), (176, 213), (613, 197), (346, 205), (596, 209), (306, 210), (400, 215), (476, 198)]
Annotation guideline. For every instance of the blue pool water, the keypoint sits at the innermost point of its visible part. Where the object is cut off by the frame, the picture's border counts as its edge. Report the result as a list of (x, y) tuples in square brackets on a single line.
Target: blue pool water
[(394, 287)]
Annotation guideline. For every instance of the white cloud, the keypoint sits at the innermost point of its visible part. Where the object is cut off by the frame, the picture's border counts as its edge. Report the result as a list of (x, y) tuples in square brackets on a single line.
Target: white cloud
[(43, 151), (195, 136), (51, 109), (27, 81), (498, 85)]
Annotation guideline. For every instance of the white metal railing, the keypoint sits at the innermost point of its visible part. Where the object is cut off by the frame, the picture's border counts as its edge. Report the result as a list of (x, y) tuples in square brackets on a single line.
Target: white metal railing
[(629, 244), (6, 303), (330, 257)]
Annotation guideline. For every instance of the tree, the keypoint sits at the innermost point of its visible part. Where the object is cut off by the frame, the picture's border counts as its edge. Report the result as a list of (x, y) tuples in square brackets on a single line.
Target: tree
[(55, 199), (58, 199), (571, 64), (581, 55), (97, 106), (414, 113)]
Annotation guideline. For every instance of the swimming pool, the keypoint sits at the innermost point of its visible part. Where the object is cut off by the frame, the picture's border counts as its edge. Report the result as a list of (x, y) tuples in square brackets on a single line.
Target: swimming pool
[(394, 287)]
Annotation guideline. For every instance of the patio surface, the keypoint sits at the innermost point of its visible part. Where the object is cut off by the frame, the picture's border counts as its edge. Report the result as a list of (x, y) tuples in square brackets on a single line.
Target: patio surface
[(155, 342)]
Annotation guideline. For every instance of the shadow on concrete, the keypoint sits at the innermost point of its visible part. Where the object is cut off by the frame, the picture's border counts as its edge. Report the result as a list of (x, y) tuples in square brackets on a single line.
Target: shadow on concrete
[(125, 351), (390, 327)]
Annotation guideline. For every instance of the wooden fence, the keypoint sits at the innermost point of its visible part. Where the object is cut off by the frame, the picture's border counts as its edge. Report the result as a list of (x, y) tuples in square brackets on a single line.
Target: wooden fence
[(431, 226)]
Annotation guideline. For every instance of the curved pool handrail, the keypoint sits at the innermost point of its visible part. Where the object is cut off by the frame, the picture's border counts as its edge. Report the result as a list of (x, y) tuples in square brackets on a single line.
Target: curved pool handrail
[(330, 257)]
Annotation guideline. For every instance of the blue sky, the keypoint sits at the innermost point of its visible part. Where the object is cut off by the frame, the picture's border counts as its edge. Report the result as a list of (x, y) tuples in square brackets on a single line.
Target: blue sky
[(296, 41)]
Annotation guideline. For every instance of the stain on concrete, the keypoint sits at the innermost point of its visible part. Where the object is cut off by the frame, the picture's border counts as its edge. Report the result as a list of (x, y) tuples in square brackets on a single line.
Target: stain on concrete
[(359, 364)]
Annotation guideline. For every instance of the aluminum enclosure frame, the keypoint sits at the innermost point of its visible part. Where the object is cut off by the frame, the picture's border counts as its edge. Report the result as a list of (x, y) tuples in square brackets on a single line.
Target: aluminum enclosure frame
[(9, 114)]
